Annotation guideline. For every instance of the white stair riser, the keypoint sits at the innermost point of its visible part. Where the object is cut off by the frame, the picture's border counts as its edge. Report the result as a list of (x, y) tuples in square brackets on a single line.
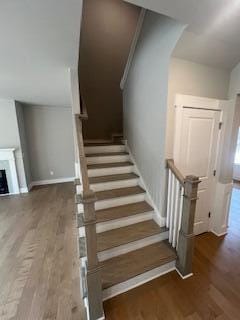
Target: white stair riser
[(79, 208), (107, 159), (114, 185), (138, 244), (138, 280), (79, 189), (115, 202), (109, 171), (118, 223), (110, 185), (102, 149)]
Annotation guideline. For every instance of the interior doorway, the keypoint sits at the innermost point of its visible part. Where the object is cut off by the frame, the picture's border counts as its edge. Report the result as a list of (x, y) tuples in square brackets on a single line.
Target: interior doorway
[(197, 131)]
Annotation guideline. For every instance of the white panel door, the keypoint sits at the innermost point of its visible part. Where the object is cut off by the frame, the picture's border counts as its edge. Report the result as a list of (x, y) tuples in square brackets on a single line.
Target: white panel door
[(198, 145)]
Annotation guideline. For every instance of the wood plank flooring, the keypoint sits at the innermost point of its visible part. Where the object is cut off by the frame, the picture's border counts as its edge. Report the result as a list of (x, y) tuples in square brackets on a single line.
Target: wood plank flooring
[(39, 268), (38, 255), (212, 293)]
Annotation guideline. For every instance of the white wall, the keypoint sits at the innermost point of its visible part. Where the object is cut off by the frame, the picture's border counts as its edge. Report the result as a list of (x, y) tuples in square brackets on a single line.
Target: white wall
[(234, 86), (145, 101), (49, 133), (191, 78), (233, 125), (39, 42), (236, 172)]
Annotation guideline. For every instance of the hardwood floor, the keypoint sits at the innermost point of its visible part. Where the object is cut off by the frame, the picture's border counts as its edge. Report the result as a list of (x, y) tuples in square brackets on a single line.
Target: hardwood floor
[(38, 255), (212, 293), (39, 268)]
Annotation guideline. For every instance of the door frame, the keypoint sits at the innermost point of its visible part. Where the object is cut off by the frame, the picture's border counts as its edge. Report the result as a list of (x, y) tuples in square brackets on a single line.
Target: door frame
[(194, 102)]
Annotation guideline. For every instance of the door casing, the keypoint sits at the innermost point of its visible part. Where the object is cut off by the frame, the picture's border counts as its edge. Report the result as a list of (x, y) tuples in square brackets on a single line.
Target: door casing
[(182, 102)]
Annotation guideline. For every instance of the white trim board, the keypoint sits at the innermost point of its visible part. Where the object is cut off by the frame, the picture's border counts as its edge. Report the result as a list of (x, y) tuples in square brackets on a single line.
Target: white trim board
[(221, 208), (50, 181), (9, 155), (184, 277)]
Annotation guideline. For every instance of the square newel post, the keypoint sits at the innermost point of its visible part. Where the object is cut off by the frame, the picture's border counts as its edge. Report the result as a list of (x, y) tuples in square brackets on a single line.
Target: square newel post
[(186, 235), (93, 269)]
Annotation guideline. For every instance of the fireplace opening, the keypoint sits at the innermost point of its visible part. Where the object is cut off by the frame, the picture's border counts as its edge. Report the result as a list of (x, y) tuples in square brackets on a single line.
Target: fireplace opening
[(3, 182)]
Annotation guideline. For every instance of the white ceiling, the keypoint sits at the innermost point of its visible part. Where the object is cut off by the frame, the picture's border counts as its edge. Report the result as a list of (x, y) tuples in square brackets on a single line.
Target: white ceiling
[(212, 35), (38, 42)]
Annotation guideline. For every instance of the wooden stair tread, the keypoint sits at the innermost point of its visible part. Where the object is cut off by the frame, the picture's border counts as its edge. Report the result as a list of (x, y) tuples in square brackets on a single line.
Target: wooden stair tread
[(124, 235), (114, 177), (107, 154), (109, 165), (134, 263), (122, 211), (99, 144), (120, 236), (117, 193)]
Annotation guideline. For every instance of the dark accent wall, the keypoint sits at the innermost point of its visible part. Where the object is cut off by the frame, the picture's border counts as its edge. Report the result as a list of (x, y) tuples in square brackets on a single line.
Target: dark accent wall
[(108, 27)]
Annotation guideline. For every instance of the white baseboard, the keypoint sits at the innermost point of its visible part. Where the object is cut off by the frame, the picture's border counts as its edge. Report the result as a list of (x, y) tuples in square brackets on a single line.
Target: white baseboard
[(8, 194), (184, 277), (219, 234), (50, 181), (24, 190)]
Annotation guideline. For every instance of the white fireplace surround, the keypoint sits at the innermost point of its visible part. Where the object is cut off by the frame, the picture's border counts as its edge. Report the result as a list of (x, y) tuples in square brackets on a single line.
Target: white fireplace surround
[(8, 155)]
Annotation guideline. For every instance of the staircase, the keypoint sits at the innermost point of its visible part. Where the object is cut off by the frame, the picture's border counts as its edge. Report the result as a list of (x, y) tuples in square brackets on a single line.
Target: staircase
[(131, 247)]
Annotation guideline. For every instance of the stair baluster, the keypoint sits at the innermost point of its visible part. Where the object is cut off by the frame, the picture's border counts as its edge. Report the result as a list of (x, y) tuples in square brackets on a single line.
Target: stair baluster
[(181, 207)]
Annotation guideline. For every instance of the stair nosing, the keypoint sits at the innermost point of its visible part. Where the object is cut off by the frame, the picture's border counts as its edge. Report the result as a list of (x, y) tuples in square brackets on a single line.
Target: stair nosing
[(103, 144), (107, 165), (159, 232), (98, 213), (110, 197), (106, 154), (119, 175), (170, 259)]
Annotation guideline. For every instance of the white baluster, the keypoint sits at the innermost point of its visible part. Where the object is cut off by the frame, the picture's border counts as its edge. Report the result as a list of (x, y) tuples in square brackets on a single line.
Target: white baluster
[(176, 213), (172, 209), (169, 198)]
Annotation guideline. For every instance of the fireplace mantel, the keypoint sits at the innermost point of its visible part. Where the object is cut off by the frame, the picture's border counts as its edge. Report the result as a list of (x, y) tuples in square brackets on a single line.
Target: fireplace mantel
[(7, 154)]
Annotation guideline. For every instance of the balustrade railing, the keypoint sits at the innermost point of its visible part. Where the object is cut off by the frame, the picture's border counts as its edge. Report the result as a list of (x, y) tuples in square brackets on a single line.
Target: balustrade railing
[(181, 207), (91, 277)]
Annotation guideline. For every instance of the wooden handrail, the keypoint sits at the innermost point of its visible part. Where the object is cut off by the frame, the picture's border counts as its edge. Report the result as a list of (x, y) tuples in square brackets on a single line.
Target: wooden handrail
[(81, 154), (83, 115), (175, 171)]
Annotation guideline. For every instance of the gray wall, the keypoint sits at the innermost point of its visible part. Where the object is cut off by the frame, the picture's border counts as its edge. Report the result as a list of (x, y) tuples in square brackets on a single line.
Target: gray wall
[(186, 77), (23, 142), (49, 134), (145, 101), (9, 136), (107, 30)]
